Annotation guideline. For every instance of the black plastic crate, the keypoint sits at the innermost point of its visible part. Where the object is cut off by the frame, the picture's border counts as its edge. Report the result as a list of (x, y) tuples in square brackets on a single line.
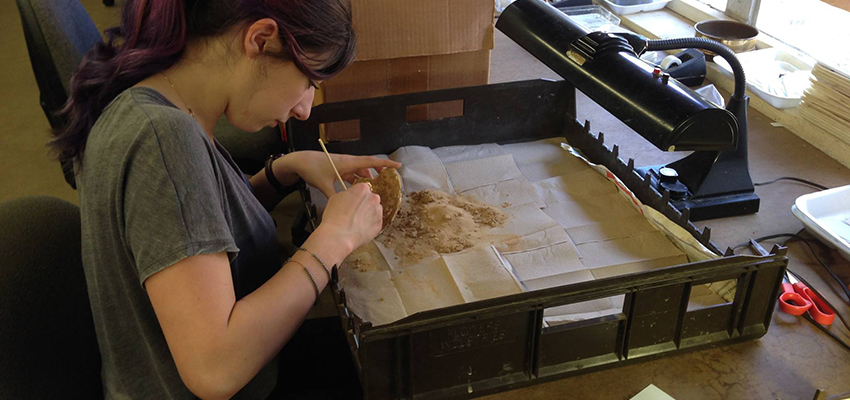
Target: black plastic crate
[(499, 344)]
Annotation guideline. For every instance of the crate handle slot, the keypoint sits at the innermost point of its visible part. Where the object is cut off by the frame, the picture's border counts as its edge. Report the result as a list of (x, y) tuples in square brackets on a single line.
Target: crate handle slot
[(434, 111)]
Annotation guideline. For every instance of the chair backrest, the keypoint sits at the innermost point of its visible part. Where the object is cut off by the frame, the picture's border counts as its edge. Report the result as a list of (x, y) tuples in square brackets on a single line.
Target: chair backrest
[(58, 34), (49, 347)]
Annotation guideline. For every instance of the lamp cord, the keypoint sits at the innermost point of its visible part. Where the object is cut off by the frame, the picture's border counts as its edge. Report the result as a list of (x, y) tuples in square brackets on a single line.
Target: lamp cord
[(792, 236), (794, 179)]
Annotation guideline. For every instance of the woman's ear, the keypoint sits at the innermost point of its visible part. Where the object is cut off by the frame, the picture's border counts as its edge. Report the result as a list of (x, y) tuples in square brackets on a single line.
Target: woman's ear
[(262, 36)]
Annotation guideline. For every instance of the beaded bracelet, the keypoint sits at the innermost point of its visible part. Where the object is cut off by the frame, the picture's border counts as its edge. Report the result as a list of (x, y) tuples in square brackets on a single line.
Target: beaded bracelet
[(310, 275), (324, 266)]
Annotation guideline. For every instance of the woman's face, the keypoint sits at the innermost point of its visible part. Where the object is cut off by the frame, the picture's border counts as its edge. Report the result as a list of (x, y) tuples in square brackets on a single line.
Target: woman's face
[(270, 95)]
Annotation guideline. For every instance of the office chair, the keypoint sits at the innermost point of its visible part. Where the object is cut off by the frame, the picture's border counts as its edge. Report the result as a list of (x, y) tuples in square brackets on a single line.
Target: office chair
[(48, 344), (60, 32)]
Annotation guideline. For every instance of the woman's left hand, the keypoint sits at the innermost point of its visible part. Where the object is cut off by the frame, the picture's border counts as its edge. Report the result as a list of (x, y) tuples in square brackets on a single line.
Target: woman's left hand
[(314, 168)]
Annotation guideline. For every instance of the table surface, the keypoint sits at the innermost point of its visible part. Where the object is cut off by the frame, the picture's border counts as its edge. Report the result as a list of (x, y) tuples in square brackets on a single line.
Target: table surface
[(793, 359)]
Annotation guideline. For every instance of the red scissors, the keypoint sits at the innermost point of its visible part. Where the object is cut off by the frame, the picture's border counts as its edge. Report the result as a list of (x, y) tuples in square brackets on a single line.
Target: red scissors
[(799, 298)]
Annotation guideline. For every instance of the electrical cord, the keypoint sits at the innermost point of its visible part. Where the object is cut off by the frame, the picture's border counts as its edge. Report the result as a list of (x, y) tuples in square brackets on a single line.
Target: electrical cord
[(811, 249), (795, 179), (842, 343), (826, 267), (797, 236), (812, 321), (800, 278)]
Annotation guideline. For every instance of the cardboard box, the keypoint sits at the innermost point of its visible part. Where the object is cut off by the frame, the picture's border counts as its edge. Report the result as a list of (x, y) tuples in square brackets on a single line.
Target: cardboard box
[(413, 46), (376, 78), (394, 29)]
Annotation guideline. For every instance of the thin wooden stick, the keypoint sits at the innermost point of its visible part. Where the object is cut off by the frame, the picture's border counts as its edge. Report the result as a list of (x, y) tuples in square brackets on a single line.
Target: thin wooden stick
[(332, 164)]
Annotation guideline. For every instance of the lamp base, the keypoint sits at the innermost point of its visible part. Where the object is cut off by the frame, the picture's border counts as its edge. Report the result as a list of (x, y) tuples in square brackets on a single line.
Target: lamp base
[(717, 205), (710, 184), (731, 205)]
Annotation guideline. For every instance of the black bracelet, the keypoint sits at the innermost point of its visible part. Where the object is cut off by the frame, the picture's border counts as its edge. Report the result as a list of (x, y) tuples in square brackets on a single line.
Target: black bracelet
[(278, 187)]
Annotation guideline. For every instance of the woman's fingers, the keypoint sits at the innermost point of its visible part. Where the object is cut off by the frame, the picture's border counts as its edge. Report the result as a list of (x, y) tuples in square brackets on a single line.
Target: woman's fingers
[(375, 162), (355, 213), (320, 174), (350, 178), (360, 163), (365, 173)]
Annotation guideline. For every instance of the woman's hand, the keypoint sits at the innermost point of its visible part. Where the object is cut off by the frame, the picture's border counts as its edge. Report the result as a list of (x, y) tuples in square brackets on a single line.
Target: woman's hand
[(314, 168), (353, 217)]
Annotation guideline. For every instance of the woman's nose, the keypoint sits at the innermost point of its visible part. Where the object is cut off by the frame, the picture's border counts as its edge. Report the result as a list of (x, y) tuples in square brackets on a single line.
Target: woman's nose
[(301, 110)]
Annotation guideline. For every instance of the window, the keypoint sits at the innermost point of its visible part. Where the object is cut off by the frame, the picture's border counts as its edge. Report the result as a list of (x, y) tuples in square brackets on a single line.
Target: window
[(816, 27), (716, 4), (813, 26)]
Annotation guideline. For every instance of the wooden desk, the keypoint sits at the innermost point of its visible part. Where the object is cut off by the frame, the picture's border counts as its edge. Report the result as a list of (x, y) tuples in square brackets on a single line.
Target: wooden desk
[(794, 358)]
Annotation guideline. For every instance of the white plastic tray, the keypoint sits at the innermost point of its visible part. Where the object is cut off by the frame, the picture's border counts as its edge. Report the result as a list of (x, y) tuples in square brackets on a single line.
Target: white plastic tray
[(826, 214), (594, 18), (619, 8), (772, 57)]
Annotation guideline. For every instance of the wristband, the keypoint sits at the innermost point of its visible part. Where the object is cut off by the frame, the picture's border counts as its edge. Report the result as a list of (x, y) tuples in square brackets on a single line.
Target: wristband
[(278, 187)]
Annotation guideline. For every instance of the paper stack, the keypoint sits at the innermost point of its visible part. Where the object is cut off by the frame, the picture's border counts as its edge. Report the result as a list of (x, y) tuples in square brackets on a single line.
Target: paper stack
[(826, 104)]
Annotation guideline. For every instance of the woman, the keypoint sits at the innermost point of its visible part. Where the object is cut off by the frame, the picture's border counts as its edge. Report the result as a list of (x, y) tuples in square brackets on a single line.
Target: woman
[(181, 257)]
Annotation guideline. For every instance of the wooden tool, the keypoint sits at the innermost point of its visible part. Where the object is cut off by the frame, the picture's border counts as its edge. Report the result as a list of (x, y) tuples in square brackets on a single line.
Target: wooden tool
[(388, 187), (332, 164)]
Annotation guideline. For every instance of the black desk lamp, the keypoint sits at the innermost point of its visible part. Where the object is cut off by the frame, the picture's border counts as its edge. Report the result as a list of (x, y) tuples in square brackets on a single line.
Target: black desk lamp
[(712, 182)]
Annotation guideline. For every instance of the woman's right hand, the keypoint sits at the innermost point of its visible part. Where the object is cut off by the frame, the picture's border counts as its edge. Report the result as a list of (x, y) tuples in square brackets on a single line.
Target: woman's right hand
[(354, 216)]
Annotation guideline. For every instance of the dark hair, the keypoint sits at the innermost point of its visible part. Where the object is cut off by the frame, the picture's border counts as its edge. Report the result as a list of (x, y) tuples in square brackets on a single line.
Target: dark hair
[(317, 37)]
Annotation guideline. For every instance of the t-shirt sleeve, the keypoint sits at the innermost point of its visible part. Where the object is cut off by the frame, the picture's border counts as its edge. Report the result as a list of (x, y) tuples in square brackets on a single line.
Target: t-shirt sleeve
[(173, 202)]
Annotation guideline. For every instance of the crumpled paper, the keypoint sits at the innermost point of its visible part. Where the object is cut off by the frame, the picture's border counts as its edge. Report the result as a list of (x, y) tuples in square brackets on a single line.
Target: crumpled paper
[(579, 186), (480, 274), (480, 172), (427, 286), (454, 154), (374, 297), (586, 211), (421, 169), (545, 261), (475, 173), (587, 229), (543, 159), (503, 194)]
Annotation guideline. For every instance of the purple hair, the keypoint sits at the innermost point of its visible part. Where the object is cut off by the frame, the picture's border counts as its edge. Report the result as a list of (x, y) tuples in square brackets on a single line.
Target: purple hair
[(317, 36)]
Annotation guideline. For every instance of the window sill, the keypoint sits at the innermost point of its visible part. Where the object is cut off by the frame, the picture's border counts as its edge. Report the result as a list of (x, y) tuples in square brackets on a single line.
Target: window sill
[(677, 20)]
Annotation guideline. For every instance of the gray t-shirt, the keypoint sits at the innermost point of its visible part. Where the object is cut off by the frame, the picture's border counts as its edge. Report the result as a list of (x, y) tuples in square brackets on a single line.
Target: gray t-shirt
[(154, 189)]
